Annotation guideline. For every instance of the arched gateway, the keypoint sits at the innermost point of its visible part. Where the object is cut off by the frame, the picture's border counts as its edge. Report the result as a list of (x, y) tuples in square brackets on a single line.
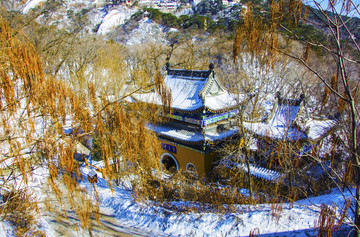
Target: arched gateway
[(169, 162)]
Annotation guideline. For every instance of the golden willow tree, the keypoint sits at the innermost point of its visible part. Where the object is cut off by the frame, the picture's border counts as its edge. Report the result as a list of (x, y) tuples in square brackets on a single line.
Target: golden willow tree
[(34, 107), (272, 33)]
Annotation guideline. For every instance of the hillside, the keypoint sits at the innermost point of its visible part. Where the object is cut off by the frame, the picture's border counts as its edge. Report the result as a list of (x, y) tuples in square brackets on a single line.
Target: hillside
[(119, 20)]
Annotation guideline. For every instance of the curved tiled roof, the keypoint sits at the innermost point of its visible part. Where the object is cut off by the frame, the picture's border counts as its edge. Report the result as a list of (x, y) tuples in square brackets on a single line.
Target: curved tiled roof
[(193, 90), (191, 136), (281, 124), (185, 92)]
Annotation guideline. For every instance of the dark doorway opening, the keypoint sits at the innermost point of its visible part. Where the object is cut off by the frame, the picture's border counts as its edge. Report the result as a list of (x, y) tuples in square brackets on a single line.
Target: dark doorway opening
[(169, 163)]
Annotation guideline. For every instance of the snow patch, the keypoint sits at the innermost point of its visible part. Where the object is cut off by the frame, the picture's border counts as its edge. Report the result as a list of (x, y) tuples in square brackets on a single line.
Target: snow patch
[(147, 31), (31, 4), (114, 18)]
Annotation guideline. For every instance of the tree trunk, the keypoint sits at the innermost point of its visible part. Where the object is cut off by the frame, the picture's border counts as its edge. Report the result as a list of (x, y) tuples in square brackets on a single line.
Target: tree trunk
[(357, 210), (355, 156), (250, 178)]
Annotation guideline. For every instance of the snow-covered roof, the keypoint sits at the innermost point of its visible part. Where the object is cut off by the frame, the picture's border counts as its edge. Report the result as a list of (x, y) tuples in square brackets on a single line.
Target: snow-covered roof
[(284, 115), (192, 136), (185, 91), (280, 125), (192, 90), (317, 128), (275, 132)]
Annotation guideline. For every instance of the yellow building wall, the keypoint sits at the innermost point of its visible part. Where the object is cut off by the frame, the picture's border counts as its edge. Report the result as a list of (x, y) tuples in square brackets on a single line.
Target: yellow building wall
[(202, 162)]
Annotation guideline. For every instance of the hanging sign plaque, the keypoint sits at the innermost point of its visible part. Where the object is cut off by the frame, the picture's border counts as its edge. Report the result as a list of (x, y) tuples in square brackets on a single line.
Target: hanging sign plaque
[(168, 147)]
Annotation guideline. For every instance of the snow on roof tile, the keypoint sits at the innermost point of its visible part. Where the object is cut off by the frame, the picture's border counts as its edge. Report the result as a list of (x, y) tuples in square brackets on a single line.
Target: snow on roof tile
[(318, 128), (191, 90), (279, 132), (221, 101), (191, 135), (284, 115), (185, 92), (280, 125)]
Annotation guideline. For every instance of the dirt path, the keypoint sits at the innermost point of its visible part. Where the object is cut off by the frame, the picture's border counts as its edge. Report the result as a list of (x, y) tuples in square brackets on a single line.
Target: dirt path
[(108, 226), (69, 226)]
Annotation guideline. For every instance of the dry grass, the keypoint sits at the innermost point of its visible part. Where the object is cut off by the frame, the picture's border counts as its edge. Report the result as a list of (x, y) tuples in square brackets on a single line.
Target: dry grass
[(186, 192), (21, 210), (326, 222), (329, 220)]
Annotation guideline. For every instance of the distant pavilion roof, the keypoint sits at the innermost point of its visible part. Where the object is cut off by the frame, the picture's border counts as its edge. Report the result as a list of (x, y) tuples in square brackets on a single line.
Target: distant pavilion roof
[(193, 90)]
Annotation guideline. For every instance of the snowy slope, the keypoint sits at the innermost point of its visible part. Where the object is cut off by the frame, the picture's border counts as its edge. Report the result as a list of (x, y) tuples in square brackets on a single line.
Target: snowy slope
[(104, 19), (293, 220), (147, 31), (114, 18), (31, 4), (147, 219)]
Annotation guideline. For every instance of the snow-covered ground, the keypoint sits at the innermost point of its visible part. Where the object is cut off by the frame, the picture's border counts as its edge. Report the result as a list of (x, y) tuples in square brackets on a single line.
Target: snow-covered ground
[(296, 219), (299, 218), (127, 215), (31, 5)]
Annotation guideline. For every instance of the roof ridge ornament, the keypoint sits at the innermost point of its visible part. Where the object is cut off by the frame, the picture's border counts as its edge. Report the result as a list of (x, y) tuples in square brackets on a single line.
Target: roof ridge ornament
[(302, 97), (211, 67), (278, 96)]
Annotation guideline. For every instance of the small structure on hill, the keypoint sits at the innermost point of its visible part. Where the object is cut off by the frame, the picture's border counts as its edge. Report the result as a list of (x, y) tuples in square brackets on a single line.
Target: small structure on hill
[(287, 124), (202, 118)]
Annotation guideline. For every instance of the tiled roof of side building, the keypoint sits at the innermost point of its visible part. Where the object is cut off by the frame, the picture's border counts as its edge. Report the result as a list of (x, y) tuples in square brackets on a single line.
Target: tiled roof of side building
[(281, 125)]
